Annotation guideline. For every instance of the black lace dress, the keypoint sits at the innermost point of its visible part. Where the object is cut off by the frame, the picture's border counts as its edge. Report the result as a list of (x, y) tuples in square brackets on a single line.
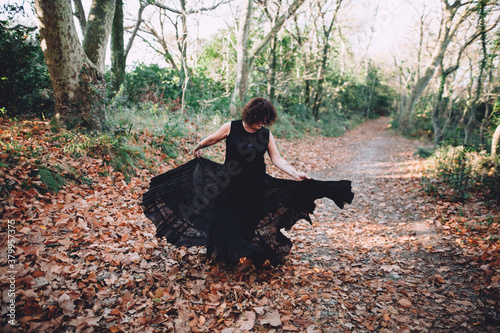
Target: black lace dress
[(235, 209)]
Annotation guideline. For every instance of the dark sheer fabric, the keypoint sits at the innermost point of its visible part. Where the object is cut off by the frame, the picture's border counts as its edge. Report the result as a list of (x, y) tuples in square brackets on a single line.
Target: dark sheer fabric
[(235, 209)]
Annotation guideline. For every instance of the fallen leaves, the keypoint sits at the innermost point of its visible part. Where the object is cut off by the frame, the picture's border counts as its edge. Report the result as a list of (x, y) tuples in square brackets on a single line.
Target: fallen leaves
[(88, 260), (272, 318), (66, 304), (247, 321), (405, 303)]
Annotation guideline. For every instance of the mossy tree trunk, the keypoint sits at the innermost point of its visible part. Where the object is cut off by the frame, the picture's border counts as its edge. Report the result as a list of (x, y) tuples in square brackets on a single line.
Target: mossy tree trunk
[(119, 52), (77, 77)]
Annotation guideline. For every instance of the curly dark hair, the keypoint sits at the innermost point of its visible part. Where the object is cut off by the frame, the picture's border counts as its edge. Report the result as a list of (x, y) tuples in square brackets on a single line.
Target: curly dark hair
[(258, 110)]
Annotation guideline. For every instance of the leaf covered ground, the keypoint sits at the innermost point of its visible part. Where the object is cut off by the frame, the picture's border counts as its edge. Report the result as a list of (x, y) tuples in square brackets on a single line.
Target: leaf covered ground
[(87, 260)]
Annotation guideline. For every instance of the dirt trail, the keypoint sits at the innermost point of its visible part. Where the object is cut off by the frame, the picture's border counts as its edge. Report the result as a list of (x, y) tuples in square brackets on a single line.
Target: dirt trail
[(392, 269), (379, 163)]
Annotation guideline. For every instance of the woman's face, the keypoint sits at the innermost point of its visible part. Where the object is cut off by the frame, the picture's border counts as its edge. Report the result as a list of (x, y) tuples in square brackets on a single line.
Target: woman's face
[(257, 126)]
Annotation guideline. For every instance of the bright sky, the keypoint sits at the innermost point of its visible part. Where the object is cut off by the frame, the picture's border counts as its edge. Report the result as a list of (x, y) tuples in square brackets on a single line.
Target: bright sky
[(393, 23), (393, 20), (396, 22)]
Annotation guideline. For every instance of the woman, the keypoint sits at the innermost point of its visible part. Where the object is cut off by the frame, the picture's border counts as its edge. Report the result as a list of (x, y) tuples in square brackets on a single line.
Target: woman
[(236, 210)]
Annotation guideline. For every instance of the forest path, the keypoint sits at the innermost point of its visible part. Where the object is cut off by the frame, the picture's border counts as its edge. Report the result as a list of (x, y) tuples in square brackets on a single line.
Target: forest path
[(392, 271)]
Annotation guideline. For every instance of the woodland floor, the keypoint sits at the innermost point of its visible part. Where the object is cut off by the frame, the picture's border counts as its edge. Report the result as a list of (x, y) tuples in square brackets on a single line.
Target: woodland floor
[(393, 261)]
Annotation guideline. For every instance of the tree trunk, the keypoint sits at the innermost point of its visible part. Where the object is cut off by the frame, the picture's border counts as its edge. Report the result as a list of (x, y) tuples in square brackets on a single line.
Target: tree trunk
[(320, 79), (327, 31), (185, 70), (78, 84), (245, 61), (448, 31), (437, 110), (98, 30), (117, 48), (495, 142), (371, 83), (271, 83), (242, 64), (80, 14), (318, 96), (300, 41)]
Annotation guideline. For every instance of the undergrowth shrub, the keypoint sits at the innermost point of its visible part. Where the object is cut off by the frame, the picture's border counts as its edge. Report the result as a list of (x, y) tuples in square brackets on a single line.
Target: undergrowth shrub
[(458, 172), (152, 83), (119, 149), (491, 182), (290, 126), (294, 124), (425, 152), (25, 87)]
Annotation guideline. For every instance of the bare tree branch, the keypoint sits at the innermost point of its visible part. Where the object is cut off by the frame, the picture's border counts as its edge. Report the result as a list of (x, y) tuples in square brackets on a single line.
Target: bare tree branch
[(80, 14), (157, 50), (191, 11), (166, 52), (372, 32), (136, 27), (277, 26), (469, 41)]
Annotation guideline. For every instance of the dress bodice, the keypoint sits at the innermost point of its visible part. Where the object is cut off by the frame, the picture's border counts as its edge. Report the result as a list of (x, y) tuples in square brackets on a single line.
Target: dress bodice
[(245, 151)]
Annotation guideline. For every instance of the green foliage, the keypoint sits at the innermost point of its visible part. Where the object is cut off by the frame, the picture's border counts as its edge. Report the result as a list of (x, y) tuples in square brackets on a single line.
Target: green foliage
[(291, 126), (458, 172), (491, 182), (123, 158), (425, 152), (205, 93), (25, 86), (332, 124), (453, 169), (175, 127), (52, 180), (152, 83), (217, 59), (341, 94), (156, 90), (168, 146)]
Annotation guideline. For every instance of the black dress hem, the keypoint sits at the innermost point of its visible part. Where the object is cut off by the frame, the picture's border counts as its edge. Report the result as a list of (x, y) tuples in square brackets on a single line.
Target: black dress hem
[(200, 204)]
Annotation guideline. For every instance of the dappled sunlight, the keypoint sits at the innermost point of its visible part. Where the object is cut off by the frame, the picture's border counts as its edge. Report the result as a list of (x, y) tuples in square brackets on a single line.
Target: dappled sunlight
[(406, 170)]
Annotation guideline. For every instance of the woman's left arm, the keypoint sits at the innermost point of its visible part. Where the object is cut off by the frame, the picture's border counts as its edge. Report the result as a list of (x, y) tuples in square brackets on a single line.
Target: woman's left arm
[(281, 163)]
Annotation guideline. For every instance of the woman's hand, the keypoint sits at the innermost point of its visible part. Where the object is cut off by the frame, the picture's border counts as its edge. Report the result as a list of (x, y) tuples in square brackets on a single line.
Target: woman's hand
[(197, 152), (301, 175), (281, 163)]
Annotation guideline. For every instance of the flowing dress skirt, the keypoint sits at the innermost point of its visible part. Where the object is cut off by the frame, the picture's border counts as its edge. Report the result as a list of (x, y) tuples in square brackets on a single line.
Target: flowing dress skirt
[(199, 204)]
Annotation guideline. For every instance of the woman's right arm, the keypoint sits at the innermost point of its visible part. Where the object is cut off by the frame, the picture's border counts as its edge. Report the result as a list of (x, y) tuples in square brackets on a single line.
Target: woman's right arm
[(213, 138)]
